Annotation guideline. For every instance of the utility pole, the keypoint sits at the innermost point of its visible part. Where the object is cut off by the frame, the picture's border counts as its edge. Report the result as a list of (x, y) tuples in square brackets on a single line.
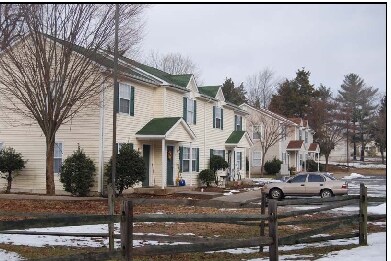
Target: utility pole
[(111, 189)]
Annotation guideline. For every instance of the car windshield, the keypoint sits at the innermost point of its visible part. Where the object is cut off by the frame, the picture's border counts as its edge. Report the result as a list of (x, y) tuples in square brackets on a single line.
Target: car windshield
[(329, 176)]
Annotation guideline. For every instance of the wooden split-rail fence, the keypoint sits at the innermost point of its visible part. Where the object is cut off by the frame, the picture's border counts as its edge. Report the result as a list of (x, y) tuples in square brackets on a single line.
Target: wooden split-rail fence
[(271, 220)]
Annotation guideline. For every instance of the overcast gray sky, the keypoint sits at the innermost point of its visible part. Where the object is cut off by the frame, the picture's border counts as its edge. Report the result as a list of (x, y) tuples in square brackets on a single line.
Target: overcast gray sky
[(329, 40)]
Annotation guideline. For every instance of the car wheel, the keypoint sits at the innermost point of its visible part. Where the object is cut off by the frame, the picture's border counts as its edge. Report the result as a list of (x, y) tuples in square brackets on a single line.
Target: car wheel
[(326, 193), (276, 193)]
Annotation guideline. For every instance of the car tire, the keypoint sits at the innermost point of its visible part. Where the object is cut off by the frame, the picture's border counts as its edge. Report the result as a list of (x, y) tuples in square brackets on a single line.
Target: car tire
[(326, 193), (276, 193)]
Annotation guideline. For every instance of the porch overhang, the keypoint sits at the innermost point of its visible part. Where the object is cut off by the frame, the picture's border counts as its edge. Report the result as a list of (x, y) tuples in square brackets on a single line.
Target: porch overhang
[(239, 139), (171, 128), (314, 148), (295, 145)]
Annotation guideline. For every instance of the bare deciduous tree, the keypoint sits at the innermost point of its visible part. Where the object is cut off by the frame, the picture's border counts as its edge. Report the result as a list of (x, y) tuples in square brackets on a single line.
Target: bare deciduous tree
[(270, 130), (11, 24), (261, 87), (174, 63), (51, 73)]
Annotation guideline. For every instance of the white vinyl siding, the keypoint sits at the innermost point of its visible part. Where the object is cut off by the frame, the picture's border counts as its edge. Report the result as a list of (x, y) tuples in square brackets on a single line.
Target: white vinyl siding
[(257, 158), (58, 151)]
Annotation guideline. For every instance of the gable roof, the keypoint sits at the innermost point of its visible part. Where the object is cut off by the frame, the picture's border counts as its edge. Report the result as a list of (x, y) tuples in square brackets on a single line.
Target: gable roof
[(210, 91), (235, 137), (158, 126), (298, 121), (295, 145), (313, 147)]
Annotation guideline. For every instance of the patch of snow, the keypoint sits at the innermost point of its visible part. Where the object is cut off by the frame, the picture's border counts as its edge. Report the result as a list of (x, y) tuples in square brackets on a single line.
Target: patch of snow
[(9, 256), (186, 234), (355, 176), (228, 209), (287, 257), (375, 251), (378, 223), (380, 209), (321, 235)]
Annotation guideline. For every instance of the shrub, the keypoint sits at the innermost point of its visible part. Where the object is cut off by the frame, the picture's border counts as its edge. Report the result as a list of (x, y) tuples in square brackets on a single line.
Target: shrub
[(207, 176), (10, 161), (273, 166), (312, 165), (217, 162), (77, 173), (130, 168)]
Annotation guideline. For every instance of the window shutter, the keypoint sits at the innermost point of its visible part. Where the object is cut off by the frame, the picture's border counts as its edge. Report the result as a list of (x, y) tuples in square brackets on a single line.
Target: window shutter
[(236, 117), (222, 124), (198, 160), (117, 90), (211, 154), (131, 101), (224, 154), (241, 122), (131, 145), (185, 108), (180, 158), (214, 116), (195, 112)]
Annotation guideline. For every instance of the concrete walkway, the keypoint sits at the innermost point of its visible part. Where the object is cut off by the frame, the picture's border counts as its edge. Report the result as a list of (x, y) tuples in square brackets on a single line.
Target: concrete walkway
[(242, 198)]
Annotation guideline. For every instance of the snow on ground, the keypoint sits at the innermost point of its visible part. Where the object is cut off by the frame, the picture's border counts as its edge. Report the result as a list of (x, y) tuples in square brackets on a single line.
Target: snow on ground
[(355, 175), (358, 164), (375, 251), (379, 209), (9, 256), (231, 192), (262, 181)]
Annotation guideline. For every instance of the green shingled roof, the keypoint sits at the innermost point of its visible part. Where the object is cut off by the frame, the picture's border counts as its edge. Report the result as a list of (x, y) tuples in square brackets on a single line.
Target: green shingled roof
[(158, 126), (209, 90), (106, 61), (235, 137), (181, 80)]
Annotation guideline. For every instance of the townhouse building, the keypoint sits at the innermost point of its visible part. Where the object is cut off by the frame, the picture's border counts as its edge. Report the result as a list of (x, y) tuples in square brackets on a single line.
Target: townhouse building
[(293, 147), (175, 124)]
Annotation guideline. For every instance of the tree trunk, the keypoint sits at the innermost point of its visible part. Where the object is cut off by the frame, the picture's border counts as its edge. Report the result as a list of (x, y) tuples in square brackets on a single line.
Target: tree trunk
[(382, 155), (9, 183), (50, 188), (262, 163), (327, 161), (354, 149), (362, 148)]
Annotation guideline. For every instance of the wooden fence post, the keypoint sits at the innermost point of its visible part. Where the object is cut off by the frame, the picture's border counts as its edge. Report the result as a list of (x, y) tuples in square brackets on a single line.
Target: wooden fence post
[(363, 232), (127, 230), (262, 225), (273, 248)]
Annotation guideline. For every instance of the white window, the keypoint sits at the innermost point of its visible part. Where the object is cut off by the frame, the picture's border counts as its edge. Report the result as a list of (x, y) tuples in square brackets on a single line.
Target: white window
[(238, 123), (283, 157), (257, 158), (219, 153), (186, 159), (256, 132), (58, 149), (218, 117), (306, 136), (283, 132), (238, 160), (300, 135), (190, 111), (124, 98)]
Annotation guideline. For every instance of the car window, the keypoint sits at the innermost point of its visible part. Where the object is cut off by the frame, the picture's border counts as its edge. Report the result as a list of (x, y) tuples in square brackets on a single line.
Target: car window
[(329, 176), (315, 178), (299, 179)]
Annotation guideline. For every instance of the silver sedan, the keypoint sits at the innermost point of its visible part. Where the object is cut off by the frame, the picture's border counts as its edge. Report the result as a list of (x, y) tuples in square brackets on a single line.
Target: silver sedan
[(307, 184)]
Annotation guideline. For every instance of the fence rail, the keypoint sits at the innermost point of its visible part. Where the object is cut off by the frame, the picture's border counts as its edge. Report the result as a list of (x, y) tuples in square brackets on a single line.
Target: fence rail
[(271, 219)]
